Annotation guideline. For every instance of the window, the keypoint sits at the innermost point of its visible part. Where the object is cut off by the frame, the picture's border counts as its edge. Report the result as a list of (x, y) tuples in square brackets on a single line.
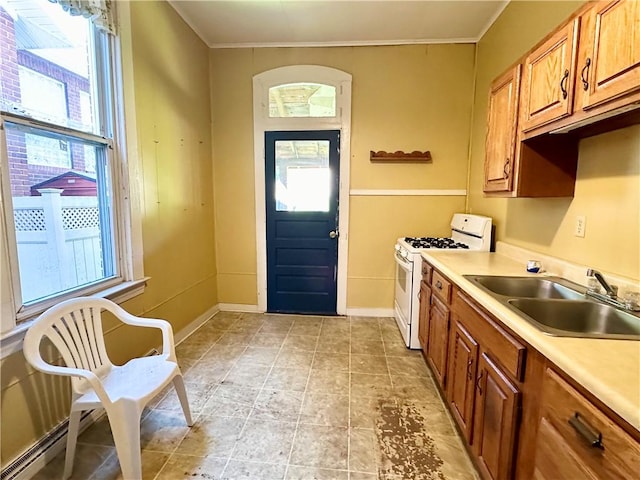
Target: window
[(302, 176), (44, 151), (43, 96), (302, 100), (58, 144)]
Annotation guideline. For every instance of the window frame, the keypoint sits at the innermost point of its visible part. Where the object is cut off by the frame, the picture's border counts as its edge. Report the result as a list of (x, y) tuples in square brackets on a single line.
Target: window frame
[(119, 137)]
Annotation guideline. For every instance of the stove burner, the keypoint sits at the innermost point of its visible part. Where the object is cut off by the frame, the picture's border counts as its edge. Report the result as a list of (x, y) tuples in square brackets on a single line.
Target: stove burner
[(434, 242)]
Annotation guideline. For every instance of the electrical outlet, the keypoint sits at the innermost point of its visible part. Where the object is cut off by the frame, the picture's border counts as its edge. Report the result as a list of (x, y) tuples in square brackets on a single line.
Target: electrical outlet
[(581, 223)]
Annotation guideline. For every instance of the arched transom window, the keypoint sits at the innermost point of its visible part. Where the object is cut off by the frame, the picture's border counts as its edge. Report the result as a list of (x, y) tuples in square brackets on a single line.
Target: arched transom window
[(301, 100)]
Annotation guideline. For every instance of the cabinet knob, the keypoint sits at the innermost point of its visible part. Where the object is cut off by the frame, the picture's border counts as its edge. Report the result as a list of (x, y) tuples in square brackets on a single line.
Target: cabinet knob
[(439, 285), (584, 75), (563, 84)]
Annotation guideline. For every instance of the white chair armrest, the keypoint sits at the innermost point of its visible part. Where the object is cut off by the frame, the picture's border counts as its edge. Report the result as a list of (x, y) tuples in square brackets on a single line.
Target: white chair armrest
[(168, 345), (39, 364)]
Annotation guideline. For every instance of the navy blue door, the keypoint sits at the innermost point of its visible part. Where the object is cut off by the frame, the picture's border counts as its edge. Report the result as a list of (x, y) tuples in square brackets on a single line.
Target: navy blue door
[(302, 179)]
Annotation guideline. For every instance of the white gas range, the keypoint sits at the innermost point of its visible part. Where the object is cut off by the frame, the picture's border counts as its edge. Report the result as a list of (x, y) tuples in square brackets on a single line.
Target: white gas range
[(468, 232)]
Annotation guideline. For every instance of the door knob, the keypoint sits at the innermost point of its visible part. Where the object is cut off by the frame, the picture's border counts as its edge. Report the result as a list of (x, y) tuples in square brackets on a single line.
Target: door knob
[(333, 234)]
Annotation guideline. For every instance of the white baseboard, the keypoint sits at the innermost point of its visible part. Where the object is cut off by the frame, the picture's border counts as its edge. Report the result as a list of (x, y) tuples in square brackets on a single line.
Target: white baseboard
[(360, 312), (196, 324), (238, 307), (46, 449), (370, 312)]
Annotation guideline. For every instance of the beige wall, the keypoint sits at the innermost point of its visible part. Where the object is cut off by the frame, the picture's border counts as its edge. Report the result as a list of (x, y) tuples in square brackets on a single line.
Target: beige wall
[(404, 98), (173, 115), (608, 178)]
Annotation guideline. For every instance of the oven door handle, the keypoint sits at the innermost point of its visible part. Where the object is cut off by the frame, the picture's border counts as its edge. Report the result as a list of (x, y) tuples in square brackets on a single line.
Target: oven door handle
[(403, 263)]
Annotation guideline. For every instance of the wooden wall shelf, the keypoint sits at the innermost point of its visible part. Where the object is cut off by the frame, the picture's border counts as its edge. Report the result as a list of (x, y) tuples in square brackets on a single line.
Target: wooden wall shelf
[(399, 156)]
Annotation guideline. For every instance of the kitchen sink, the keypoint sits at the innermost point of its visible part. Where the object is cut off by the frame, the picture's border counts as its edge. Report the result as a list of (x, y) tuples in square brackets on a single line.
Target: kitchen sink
[(585, 318), (529, 287), (559, 307)]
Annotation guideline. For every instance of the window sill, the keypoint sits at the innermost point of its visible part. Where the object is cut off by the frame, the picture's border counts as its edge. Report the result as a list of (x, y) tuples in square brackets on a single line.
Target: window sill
[(11, 342)]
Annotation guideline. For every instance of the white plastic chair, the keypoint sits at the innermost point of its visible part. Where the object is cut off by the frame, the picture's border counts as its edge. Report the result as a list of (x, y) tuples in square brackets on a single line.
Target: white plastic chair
[(75, 328)]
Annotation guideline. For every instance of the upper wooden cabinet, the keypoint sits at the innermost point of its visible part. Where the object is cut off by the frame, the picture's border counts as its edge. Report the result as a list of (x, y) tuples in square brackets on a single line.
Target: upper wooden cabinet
[(501, 132), (549, 76), (581, 80), (586, 72), (610, 52)]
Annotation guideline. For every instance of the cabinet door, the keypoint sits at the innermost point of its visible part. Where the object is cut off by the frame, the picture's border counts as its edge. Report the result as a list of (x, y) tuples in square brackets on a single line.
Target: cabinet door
[(423, 319), (612, 67), (463, 359), (554, 457), (438, 339), (495, 420), (603, 447), (502, 121), (548, 79)]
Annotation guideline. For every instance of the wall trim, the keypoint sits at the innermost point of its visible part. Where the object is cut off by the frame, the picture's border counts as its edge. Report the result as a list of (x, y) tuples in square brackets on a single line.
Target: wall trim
[(370, 312), (239, 307), (195, 324), (389, 193), (354, 43)]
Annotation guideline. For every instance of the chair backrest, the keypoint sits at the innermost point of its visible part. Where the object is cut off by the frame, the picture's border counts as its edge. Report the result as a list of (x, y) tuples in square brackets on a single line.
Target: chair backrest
[(75, 328)]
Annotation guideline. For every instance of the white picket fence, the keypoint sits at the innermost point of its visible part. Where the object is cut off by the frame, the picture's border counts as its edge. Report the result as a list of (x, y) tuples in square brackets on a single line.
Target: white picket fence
[(58, 242)]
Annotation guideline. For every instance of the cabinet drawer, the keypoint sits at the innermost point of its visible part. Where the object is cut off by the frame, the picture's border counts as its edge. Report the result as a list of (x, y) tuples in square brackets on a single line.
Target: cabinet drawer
[(619, 455), (441, 286), (426, 272), (502, 345)]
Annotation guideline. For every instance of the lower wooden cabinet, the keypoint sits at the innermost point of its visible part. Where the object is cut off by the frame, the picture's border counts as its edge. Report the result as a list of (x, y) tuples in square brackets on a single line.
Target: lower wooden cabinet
[(423, 318), (553, 459), (484, 368), (463, 364), (495, 420), (438, 340), (577, 440), (519, 417)]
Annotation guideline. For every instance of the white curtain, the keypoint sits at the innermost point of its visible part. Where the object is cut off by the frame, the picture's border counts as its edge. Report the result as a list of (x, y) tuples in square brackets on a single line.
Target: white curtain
[(99, 11)]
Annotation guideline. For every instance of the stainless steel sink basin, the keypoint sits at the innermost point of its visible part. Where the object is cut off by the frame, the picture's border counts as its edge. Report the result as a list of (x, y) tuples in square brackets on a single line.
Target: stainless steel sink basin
[(585, 318), (559, 307), (529, 287)]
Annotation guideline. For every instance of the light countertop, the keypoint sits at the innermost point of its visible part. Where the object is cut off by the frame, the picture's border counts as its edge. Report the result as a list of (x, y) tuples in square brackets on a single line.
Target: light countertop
[(609, 369)]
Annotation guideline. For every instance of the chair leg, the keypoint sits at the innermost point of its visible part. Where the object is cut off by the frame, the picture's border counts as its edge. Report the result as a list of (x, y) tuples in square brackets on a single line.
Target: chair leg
[(124, 418), (178, 384), (72, 437)]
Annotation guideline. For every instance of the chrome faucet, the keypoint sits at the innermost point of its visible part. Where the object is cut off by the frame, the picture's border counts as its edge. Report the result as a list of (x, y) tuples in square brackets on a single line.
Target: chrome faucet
[(630, 302), (612, 290)]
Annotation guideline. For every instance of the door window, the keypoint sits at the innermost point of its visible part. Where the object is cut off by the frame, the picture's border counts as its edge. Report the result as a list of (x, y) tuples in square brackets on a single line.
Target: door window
[(302, 175)]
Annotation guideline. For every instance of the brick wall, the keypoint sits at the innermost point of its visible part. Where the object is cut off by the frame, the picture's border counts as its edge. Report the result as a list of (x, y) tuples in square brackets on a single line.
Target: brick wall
[(9, 80), (23, 175)]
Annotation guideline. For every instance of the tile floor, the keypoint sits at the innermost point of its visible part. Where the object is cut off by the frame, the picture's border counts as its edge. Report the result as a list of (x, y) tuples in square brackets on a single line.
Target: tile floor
[(290, 397)]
